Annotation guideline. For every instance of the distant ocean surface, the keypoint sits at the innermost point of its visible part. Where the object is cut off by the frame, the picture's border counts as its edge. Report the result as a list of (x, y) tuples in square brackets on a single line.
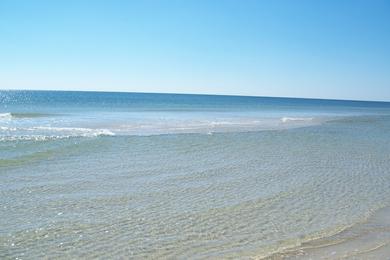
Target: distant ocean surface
[(118, 175)]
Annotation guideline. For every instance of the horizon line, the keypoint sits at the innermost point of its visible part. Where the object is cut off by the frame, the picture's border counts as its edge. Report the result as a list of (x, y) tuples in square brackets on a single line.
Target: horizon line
[(200, 94)]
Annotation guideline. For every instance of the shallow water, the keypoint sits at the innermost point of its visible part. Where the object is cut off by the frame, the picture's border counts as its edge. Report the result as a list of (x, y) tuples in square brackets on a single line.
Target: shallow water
[(369, 239), (239, 179)]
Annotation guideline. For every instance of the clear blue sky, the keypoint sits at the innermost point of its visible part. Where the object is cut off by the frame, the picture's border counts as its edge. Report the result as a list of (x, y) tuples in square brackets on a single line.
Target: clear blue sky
[(325, 49)]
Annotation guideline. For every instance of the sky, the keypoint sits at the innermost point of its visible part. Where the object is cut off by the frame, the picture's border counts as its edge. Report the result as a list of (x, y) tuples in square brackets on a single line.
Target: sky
[(319, 49)]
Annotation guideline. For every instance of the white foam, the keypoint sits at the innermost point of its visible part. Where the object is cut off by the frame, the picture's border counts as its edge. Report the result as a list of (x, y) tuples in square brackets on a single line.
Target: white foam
[(31, 138), (78, 131), (6, 128), (296, 119), (5, 116), (42, 133), (215, 125), (56, 129)]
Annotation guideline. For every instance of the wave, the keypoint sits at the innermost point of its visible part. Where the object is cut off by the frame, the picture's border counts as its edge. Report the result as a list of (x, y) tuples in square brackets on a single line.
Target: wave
[(43, 133), (344, 241), (296, 119), (214, 126), (7, 129), (5, 116), (37, 130), (73, 130), (37, 137), (9, 116)]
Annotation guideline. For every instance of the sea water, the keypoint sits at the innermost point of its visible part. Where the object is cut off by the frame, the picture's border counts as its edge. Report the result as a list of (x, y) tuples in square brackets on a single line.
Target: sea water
[(133, 175)]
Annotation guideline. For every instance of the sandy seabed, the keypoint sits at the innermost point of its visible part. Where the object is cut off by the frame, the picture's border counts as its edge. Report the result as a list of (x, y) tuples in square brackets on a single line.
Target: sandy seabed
[(366, 240)]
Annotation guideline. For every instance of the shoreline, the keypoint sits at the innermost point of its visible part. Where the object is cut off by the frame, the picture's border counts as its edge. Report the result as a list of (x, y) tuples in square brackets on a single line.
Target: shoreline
[(369, 239)]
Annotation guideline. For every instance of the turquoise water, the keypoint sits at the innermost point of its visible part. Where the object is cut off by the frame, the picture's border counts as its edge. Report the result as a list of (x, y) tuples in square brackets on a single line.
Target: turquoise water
[(87, 174)]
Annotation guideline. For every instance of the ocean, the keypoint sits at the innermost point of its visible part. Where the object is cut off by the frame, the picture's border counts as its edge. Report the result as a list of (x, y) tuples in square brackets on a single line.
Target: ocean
[(174, 176)]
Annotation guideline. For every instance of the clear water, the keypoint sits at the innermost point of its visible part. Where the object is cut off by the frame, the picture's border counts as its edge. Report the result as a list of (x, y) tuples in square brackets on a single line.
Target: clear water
[(87, 174)]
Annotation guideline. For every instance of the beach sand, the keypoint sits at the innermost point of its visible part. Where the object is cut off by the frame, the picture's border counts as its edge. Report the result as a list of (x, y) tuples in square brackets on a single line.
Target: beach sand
[(366, 240)]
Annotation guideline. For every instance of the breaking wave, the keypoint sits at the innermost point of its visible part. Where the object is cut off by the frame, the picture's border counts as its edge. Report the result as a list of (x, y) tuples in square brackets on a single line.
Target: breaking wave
[(5, 116), (12, 132), (9, 116), (296, 119), (43, 133)]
